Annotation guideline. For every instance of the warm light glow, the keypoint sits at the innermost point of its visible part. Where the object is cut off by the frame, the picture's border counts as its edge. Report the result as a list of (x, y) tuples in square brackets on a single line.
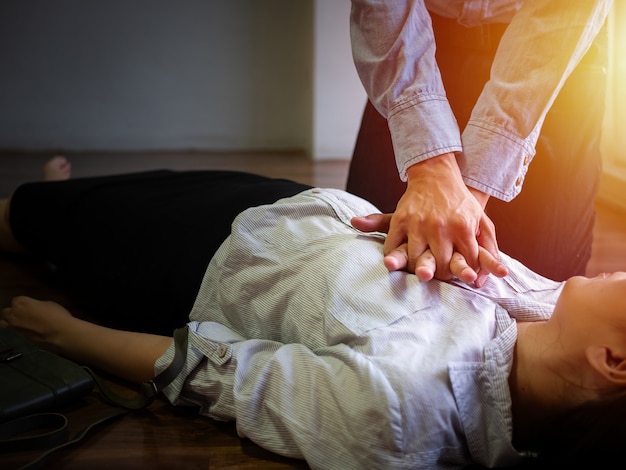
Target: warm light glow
[(615, 121)]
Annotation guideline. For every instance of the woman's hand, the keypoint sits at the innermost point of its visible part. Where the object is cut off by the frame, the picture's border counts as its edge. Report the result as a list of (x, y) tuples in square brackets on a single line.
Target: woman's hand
[(42, 322)]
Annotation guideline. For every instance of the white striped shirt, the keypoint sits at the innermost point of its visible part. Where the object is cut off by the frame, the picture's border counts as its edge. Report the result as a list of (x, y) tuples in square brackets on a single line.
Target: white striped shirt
[(301, 335)]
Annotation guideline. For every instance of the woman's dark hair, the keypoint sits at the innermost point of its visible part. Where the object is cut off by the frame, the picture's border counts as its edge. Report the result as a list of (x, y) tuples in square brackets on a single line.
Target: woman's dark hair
[(593, 435)]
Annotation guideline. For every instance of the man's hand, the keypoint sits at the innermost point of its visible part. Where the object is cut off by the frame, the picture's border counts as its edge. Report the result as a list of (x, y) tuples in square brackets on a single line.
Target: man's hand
[(439, 228)]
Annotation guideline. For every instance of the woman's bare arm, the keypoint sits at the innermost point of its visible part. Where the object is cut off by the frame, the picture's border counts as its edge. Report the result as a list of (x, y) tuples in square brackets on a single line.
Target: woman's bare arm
[(128, 355)]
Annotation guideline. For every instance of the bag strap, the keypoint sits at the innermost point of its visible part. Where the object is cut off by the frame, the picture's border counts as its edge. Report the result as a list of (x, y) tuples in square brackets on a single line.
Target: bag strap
[(54, 426), (55, 436)]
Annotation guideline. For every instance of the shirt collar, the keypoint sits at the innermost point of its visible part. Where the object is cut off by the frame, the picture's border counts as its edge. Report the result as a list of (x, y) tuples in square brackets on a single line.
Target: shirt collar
[(483, 398)]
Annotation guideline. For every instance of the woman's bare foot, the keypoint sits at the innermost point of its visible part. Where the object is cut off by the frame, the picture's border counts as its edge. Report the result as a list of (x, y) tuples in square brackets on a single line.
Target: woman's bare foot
[(58, 168)]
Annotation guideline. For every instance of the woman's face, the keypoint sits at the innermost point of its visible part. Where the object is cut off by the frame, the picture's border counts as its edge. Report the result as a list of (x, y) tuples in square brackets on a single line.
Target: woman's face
[(594, 302)]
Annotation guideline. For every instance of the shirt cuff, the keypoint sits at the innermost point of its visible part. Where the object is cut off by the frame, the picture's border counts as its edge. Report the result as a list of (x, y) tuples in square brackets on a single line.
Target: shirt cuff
[(210, 344), (422, 127), (494, 160)]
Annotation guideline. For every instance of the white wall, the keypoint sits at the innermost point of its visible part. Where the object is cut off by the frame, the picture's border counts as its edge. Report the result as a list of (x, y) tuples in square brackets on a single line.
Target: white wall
[(338, 96), (185, 74)]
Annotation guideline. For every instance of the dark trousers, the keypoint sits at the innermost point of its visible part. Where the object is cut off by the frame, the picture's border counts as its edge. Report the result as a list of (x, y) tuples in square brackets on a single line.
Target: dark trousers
[(135, 247), (549, 226)]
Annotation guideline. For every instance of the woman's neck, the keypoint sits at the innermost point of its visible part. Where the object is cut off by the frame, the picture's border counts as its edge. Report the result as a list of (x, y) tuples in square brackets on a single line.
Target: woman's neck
[(536, 390)]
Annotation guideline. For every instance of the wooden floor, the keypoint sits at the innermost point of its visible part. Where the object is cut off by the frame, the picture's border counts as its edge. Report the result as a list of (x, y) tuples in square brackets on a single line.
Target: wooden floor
[(163, 437)]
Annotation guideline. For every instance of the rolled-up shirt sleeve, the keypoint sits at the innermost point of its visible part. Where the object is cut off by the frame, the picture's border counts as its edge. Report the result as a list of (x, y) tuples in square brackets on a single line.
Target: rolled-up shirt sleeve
[(538, 51), (394, 52)]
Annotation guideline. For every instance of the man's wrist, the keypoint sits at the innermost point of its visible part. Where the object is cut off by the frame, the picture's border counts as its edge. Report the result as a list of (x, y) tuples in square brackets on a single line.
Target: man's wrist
[(439, 167), (446, 162), (481, 197)]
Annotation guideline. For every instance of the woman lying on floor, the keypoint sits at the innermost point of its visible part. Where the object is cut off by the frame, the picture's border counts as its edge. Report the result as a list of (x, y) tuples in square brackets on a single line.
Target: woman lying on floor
[(299, 333)]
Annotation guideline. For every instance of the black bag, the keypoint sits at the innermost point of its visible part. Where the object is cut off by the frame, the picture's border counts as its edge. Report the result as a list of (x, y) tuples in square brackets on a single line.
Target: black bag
[(34, 380)]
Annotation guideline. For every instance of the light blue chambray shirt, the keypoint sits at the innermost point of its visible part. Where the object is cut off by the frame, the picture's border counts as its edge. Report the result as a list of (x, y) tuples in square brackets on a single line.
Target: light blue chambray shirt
[(394, 52), (301, 335)]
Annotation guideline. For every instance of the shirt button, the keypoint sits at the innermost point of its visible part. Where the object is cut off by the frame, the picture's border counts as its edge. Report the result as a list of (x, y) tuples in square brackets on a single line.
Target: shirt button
[(221, 350)]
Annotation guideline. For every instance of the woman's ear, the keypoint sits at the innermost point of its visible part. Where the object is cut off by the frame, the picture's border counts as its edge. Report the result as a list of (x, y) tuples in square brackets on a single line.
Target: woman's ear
[(608, 364)]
